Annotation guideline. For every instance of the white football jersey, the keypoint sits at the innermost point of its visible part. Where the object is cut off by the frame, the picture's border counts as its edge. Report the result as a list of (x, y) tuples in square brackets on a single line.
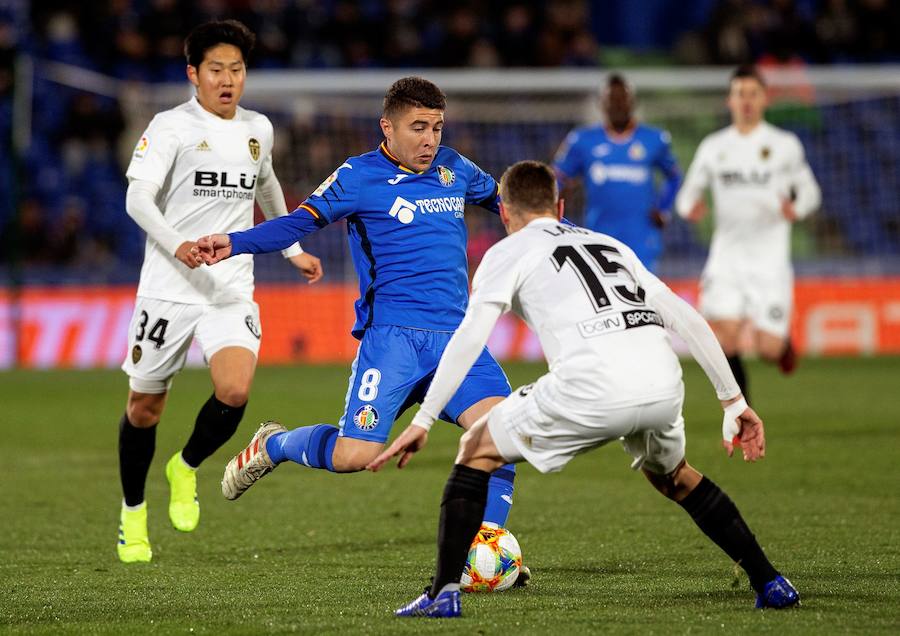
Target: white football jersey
[(585, 296), (750, 175), (207, 169)]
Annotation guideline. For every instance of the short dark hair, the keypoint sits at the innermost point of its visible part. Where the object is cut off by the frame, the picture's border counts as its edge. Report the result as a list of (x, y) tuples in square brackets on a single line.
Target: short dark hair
[(529, 186), (210, 34), (748, 71), (617, 79), (413, 92)]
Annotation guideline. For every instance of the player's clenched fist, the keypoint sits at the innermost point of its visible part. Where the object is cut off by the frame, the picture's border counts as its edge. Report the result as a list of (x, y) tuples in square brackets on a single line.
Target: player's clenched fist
[(214, 248), (189, 254)]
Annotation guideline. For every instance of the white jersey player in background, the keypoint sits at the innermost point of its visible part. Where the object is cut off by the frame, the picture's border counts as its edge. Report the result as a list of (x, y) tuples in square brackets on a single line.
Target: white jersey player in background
[(599, 315), (761, 184), (197, 168)]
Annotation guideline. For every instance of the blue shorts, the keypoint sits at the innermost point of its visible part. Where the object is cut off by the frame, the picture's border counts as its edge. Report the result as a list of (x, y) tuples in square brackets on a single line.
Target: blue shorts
[(392, 371)]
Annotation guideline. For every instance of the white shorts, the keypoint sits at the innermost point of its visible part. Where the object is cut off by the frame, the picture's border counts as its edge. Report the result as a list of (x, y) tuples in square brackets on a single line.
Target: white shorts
[(161, 331), (524, 428), (767, 301)]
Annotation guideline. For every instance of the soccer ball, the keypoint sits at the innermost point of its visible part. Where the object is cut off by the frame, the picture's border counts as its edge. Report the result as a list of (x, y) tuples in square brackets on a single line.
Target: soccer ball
[(494, 561)]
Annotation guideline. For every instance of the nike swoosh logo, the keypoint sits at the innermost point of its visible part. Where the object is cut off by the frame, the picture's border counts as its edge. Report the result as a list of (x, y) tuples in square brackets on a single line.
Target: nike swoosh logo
[(507, 499), (397, 179)]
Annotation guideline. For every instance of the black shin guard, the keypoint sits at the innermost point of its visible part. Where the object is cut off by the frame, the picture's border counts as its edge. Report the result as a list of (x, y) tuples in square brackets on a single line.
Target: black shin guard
[(462, 510), (216, 423), (136, 447), (737, 368), (717, 516)]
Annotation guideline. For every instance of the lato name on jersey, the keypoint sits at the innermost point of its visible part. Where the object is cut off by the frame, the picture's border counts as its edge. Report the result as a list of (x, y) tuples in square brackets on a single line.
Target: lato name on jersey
[(220, 185)]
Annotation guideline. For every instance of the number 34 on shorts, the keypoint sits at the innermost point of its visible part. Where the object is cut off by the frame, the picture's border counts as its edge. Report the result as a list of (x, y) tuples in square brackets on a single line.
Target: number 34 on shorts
[(161, 332)]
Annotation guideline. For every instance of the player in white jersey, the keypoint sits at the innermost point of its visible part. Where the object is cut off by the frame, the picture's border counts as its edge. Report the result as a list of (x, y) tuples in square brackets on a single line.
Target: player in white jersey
[(761, 184), (599, 315), (197, 168)]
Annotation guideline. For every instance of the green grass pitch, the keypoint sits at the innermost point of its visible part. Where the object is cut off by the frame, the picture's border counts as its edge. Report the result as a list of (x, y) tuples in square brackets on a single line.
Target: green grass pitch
[(310, 552)]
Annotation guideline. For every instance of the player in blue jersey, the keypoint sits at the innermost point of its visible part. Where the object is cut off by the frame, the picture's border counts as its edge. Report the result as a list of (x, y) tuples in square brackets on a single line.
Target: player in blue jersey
[(404, 204), (616, 163)]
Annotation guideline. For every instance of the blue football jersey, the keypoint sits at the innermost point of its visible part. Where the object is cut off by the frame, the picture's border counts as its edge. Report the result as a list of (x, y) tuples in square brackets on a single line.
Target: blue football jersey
[(619, 183), (406, 230)]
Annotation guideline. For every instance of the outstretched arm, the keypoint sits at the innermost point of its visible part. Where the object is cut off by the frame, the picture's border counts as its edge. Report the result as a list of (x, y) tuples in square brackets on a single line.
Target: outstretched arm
[(461, 353), (741, 424), (271, 201)]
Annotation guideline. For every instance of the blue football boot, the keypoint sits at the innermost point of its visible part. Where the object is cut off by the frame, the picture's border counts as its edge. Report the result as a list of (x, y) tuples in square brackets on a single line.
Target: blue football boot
[(778, 594), (445, 605)]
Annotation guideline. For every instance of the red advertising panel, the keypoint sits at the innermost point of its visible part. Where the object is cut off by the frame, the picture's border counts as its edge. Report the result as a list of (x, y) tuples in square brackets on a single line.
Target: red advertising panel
[(88, 326)]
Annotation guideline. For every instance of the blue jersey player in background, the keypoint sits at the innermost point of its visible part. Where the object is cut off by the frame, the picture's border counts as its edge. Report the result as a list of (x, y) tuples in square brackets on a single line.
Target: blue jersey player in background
[(404, 204), (616, 163)]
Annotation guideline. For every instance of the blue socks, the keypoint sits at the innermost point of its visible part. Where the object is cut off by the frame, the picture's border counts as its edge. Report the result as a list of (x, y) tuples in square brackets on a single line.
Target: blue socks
[(311, 446), (499, 497)]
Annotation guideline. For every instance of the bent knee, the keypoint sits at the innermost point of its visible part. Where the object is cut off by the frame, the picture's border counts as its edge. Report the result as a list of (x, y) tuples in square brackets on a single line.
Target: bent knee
[(677, 484), (233, 395), (352, 455), (145, 409)]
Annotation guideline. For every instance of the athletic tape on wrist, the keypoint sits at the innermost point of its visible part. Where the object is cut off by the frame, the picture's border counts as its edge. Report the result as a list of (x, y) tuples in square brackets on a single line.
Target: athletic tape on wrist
[(730, 427)]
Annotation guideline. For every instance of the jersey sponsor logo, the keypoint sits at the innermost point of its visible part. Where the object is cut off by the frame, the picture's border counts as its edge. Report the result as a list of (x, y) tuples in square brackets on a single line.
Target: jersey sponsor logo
[(446, 176), (250, 321), (136, 354), (397, 179), (328, 181), (636, 151), (457, 205), (403, 210), (366, 417), (601, 173), (222, 185), (738, 178), (253, 146), (141, 148), (602, 325)]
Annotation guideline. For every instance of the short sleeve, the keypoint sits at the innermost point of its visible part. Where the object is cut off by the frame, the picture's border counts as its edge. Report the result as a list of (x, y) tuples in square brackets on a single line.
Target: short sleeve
[(567, 160), (482, 188), (337, 196), (496, 278), (154, 153)]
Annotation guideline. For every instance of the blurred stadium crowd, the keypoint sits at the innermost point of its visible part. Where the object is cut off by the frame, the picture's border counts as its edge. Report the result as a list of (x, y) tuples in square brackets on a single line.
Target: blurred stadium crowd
[(70, 182)]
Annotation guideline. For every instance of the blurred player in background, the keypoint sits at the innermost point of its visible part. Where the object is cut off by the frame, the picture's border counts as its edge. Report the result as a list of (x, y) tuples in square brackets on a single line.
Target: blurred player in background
[(197, 167), (613, 375), (616, 162), (761, 184), (404, 204)]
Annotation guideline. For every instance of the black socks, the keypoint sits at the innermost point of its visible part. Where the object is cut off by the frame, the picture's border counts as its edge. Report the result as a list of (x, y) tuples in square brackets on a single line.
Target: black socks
[(136, 447), (462, 510), (717, 516), (216, 423)]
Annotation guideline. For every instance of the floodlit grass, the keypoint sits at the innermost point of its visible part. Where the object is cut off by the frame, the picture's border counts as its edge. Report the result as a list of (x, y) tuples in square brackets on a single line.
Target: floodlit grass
[(310, 552)]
